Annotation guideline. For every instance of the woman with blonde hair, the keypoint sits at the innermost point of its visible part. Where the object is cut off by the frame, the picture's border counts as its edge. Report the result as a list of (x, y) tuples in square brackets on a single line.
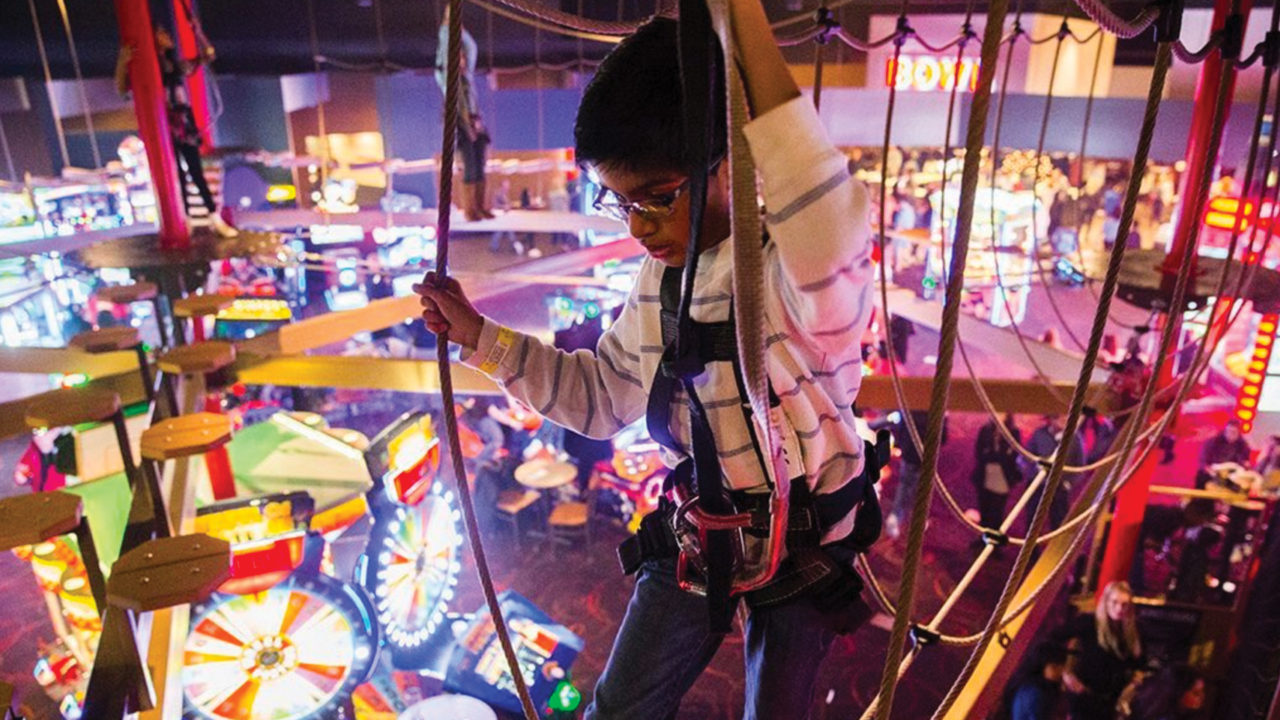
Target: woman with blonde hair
[(1105, 653)]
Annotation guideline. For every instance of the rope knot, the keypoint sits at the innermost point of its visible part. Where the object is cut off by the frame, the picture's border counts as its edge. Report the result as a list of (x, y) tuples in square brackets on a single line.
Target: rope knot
[(923, 636), (1064, 30), (1169, 24), (903, 31), (826, 23), (994, 538), (1271, 49)]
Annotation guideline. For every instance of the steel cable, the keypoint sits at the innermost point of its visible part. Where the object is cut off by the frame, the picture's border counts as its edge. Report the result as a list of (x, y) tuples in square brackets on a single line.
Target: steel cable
[(946, 352), (453, 77)]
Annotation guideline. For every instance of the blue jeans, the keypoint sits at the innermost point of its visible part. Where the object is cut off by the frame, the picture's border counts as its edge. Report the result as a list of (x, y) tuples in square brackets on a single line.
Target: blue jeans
[(665, 643)]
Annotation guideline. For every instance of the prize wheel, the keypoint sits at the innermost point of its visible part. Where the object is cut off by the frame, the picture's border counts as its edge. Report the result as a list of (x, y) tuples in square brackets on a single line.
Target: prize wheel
[(412, 568), (293, 652)]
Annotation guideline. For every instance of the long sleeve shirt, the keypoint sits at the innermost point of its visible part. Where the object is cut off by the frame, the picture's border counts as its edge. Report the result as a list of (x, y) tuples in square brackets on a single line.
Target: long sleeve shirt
[(468, 102), (818, 298)]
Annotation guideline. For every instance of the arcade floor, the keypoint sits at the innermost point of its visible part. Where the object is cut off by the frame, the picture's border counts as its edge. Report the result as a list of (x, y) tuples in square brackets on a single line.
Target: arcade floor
[(583, 589)]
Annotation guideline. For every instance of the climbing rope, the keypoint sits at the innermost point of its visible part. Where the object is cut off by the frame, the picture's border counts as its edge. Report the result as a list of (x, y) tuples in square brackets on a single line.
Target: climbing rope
[(996, 11), (8, 153), (996, 228), (320, 91), (1116, 25), (453, 75), (84, 96), (48, 86), (1035, 183), (1056, 475)]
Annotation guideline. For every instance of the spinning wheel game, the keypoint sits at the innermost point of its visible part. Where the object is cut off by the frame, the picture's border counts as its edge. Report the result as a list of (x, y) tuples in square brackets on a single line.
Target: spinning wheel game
[(413, 565), (294, 652)]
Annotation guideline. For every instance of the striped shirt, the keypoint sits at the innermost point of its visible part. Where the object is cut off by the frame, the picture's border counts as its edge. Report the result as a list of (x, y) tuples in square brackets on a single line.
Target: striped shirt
[(818, 299)]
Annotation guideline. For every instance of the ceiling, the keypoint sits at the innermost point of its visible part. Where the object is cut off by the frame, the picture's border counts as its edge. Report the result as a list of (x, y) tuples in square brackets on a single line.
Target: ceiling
[(270, 37)]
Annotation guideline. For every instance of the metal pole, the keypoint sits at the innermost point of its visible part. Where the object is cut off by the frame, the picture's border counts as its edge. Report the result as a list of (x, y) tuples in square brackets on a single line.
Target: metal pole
[(188, 49), (1202, 157), (134, 18)]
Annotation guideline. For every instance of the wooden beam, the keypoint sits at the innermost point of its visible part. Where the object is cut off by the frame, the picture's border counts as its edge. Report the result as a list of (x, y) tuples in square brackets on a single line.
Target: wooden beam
[(1015, 396), (338, 327), (359, 373), (43, 361), (128, 385)]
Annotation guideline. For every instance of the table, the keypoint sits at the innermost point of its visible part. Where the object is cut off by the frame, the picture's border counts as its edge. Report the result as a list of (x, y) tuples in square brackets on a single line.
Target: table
[(546, 475)]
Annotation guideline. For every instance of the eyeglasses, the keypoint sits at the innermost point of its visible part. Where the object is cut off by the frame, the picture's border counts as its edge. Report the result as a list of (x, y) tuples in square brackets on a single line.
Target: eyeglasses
[(651, 210)]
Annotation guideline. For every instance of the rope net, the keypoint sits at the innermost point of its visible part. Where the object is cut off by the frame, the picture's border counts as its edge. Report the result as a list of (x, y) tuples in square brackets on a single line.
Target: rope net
[(1137, 439)]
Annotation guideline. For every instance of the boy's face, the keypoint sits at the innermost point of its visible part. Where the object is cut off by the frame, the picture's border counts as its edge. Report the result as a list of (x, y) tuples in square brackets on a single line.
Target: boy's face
[(665, 233)]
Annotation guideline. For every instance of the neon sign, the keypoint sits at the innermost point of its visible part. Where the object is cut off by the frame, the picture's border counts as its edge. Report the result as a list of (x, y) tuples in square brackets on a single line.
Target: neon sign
[(925, 73), (1261, 389)]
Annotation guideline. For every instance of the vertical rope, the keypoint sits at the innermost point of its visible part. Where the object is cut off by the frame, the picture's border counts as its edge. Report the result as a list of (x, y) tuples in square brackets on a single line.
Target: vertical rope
[(8, 153), (320, 89), (84, 96), (1056, 475), (996, 11), (967, 31), (819, 49), (451, 99), (1084, 144), (48, 85)]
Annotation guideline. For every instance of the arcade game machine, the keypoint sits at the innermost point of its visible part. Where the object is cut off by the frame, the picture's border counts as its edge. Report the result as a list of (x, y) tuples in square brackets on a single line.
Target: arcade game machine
[(413, 558), (283, 637), (994, 286)]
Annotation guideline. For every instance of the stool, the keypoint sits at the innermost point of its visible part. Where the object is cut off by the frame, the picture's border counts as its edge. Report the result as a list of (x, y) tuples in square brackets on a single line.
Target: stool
[(158, 574), (138, 292), (200, 359), (114, 339), (197, 308), (37, 517), (511, 504), (570, 522), (188, 435), (74, 406)]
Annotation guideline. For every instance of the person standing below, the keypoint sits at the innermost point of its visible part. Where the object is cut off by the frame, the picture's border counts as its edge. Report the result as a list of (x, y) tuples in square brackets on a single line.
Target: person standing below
[(995, 470), (1104, 654), (1035, 692), (1228, 446), (817, 295), (1044, 443), (910, 460), (472, 136), (183, 129)]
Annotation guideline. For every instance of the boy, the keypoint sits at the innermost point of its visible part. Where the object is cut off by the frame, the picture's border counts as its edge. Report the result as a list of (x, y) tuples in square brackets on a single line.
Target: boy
[(818, 280)]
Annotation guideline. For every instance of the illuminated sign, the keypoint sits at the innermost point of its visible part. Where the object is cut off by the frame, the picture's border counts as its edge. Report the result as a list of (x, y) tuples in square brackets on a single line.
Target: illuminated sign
[(925, 73), (261, 309), (266, 536), (1261, 389), (336, 234), (1221, 213)]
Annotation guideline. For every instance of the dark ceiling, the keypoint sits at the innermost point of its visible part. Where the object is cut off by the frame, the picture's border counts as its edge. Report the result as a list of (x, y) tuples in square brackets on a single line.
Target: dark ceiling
[(270, 37)]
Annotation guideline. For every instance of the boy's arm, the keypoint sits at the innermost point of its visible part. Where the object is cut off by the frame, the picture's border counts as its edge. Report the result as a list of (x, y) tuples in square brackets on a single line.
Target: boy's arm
[(768, 79), (595, 394), (818, 215)]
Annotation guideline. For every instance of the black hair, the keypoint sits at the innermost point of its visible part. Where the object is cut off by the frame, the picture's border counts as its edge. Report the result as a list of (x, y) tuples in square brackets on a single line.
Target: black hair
[(631, 112)]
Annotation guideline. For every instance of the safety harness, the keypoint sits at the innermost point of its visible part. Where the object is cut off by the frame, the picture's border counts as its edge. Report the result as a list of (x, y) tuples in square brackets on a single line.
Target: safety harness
[(764, 546), (669, 532)]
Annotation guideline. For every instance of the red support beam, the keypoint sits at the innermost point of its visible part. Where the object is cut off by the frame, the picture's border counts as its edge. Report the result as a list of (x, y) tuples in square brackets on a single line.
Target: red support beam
[(190, 50), (1202, 158), (136, 31)]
